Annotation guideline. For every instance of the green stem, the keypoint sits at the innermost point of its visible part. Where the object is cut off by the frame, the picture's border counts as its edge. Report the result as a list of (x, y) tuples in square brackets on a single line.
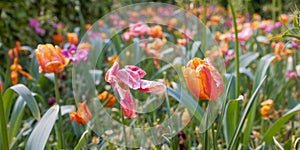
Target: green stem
[(60, 143), (279, 7), (123, 126), (204, 21), (3, 125), (237, 63), (274, 10)]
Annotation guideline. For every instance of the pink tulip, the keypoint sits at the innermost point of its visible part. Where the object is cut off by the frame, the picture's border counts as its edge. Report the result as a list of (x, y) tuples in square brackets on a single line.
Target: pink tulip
[(130, 78)]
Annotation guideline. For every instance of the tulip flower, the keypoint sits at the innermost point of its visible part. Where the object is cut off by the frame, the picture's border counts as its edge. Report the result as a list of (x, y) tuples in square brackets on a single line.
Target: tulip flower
[(15, 68), (105, 96), (156, 32), (130, 78), (72, 38), (202, 79), (50, 58), (83, 114), (267, 109)]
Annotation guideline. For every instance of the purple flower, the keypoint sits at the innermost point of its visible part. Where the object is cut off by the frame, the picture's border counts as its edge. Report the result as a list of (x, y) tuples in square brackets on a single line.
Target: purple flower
[(58, 25), (74, 55), (291, 74), (34, 23), (278, 24), (40, 31), (181, 140), (51, 100)]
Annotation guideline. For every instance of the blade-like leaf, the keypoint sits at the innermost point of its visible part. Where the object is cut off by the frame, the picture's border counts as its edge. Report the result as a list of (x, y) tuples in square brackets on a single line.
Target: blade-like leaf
[(259, 75), (16, 118), (245, 114), (25, 93), (279, 123), (188, 102), (41, 132), (277, 144), (81, 140), (231, 118)]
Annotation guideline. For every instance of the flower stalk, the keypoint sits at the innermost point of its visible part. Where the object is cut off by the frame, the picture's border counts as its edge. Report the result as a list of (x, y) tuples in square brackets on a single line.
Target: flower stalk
[(237, 65), (60, 144)]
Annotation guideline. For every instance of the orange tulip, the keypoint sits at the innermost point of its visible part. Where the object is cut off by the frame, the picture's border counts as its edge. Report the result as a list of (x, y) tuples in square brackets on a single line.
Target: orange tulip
[(203, 80), (50, 58), (267, 109), (72, 38), (58, 38), (156, 32), (105, 96), (15, 68), (83, 114)]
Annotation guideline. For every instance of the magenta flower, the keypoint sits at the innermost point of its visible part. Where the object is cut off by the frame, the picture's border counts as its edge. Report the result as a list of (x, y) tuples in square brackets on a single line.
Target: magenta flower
[(244, 35), (138, 29), (76, 55), (130, 78), (291, 74), (40, 31), (58, 25), (34, 23)]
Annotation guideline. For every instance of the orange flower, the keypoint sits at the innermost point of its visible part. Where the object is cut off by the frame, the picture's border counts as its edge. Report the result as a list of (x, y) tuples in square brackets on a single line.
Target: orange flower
[(50, 58), (280, 51), (58, 38), (15, 68), (284, 18), (113, 58), (109, 98), (267, 109), (83, 114), (156, 32), (202, 79), (72, 38), (88, 26)]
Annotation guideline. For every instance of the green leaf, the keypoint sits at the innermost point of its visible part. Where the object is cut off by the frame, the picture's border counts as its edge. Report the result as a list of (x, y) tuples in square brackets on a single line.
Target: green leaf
[(244, 116), (25, 93), (8, 97), (41, 132), (279, 123), (277, 144), (231, 118), (81, 140), (16, 118), (188, 102), (259, 76), (230, 82), (244, 60)]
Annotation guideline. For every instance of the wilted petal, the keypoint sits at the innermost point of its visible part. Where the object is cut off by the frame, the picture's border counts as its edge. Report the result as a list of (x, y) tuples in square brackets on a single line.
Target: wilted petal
[(128, 106), (152, 87)]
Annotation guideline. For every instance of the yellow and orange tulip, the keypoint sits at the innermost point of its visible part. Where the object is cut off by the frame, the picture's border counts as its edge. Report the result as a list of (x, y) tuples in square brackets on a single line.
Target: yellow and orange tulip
[(83, 114), (50, 58), (202, 79)]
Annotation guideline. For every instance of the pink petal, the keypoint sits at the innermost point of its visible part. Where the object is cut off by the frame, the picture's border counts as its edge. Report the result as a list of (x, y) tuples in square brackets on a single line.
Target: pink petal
[(131, 76), (152, 87), (111, 72), (128, 106)]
